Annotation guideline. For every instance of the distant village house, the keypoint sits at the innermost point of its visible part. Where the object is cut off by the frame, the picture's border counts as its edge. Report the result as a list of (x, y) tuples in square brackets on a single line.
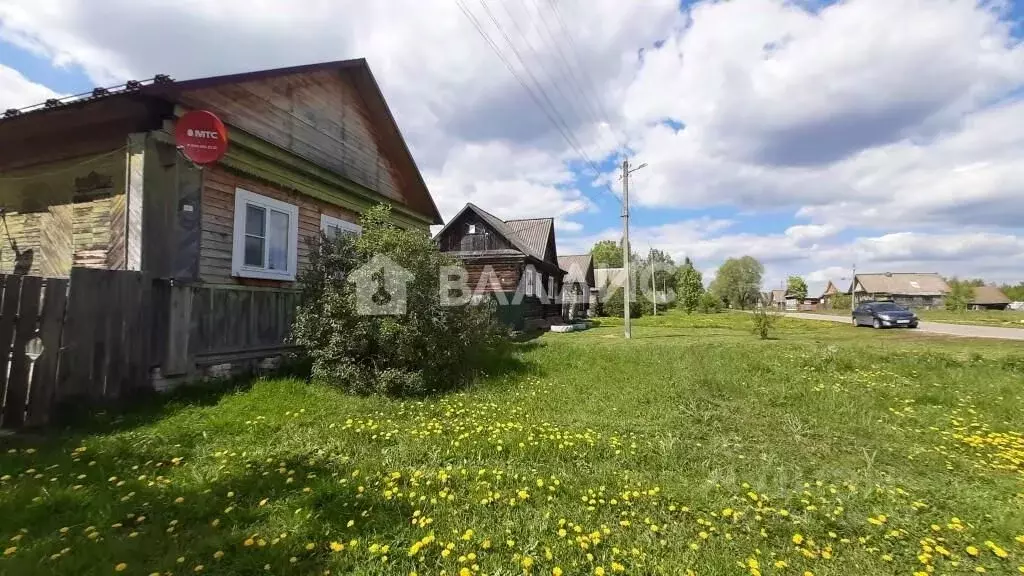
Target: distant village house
[(515, 261)]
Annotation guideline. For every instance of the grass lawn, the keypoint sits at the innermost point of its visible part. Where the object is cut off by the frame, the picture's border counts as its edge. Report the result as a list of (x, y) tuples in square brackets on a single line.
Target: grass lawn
[(997, 318), (694, 446)]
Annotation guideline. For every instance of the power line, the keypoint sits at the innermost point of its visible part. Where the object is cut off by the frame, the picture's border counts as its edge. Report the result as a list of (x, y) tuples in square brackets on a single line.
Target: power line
[(529, 90), (541, 63), (576, 83), (583, 69)]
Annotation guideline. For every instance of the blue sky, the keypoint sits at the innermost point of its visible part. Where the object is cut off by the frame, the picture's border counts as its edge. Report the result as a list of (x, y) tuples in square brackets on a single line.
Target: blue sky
[(809, 135)]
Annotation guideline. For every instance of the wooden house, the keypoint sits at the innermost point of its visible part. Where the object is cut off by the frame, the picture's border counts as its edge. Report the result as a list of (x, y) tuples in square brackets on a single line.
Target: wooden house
[(828, 295), (513, 261), (988, 298), (96, 181), (577, 284), (912, 290)]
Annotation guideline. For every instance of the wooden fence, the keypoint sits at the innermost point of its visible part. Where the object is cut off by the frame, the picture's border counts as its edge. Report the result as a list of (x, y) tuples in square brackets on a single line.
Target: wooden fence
[(99, 336)]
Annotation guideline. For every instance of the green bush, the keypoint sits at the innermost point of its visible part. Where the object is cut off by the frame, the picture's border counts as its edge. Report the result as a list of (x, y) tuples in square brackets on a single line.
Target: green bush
[(709, 303), (613, 306), (430, 348), (763, 321)]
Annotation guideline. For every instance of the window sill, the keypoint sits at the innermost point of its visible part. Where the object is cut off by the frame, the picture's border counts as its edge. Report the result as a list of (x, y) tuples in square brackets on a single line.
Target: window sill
[(264, 274)]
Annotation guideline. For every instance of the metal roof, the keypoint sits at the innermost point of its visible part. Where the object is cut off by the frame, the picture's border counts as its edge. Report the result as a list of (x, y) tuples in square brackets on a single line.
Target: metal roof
[(989, 295), (529, 236), (903, 283), (535, 233), (167, 88), (579, 268)]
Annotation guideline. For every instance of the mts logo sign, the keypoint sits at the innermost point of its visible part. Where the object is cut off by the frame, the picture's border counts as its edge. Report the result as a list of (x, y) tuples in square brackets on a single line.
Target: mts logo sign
[(201, 136), (208, 134)]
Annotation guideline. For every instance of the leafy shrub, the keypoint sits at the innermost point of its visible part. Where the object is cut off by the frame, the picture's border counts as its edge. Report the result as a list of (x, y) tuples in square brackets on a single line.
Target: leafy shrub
[(709, 303), (430, 348), (763, 321), (613, 306)]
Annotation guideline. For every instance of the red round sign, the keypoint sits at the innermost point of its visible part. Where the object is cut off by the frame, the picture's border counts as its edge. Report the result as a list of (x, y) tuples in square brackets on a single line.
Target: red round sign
[(201, 136)]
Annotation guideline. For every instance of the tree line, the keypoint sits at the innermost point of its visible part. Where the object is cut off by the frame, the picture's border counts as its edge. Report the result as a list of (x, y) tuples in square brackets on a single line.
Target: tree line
[(736, 285)]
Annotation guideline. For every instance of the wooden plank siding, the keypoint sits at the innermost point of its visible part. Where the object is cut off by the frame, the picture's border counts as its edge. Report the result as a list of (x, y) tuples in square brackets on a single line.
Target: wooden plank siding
[(318, 116), (218, 209), (64, 214)]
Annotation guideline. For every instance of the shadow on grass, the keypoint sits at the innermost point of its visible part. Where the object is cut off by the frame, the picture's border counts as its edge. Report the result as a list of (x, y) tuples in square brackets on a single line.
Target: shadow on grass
[(145, 521), (83, 416)]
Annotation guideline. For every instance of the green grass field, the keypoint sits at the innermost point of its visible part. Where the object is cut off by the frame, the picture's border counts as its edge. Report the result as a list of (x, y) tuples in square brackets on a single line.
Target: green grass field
[(693, 447), (997, 318)]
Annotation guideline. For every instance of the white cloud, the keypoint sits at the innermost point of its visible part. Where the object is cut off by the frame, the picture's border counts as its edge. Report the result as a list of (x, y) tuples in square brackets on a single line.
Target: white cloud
[(847, 117), (16, 91), (848, 113)]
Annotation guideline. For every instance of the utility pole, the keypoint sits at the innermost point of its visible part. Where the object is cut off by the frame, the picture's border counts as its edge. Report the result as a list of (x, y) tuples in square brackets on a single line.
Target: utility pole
[(853, 289), (654, 288), (626, 171)]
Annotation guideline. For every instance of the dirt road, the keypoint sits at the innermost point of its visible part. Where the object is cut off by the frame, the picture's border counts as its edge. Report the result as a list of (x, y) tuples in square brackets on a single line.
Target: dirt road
[(963, 330)]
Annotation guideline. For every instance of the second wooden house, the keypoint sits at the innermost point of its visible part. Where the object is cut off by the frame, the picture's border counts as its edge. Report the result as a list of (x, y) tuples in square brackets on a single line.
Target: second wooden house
[(514, 261)]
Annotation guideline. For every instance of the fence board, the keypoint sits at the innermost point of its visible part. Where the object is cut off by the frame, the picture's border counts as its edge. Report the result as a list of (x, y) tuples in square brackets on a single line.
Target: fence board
[(113, 336), (17, 382), (8, 315), (75, 375), (44, 374)]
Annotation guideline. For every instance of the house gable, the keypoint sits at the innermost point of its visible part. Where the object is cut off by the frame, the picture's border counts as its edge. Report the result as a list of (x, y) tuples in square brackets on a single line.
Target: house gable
[(331, 115), (470, 232)]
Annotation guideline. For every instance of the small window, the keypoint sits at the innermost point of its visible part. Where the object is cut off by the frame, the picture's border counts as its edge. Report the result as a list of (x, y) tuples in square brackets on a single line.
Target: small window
[(332, 226), (472, 229), (265, 237), (528, 281)]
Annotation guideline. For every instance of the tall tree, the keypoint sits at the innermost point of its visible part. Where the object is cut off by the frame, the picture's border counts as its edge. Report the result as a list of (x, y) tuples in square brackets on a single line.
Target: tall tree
[(664, 273), (796, 287), (738, 281), (961, 292), (690, 286), (607, 254)]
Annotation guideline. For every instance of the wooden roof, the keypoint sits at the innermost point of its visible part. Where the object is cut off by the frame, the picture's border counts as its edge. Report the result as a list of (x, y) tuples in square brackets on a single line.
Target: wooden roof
[(167, 89)]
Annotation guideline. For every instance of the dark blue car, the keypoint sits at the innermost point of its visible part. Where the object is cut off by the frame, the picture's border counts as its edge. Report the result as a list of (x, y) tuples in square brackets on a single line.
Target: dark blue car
[(884, 315)]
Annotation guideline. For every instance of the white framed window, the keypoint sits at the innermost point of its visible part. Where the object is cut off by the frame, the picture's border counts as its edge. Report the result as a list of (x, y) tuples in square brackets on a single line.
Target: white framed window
[(332, 226), (528, 276), (266, 237)]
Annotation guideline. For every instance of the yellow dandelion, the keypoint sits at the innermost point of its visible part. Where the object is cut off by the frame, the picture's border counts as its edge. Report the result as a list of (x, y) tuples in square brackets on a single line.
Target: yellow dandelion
[(972, 550), (599, 571), (120, 567), (218, 554), (198, 568), (179, 500), (310, 546), (337, 546), (10, 551), (556, 571), (798, 539), (248, 542)]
